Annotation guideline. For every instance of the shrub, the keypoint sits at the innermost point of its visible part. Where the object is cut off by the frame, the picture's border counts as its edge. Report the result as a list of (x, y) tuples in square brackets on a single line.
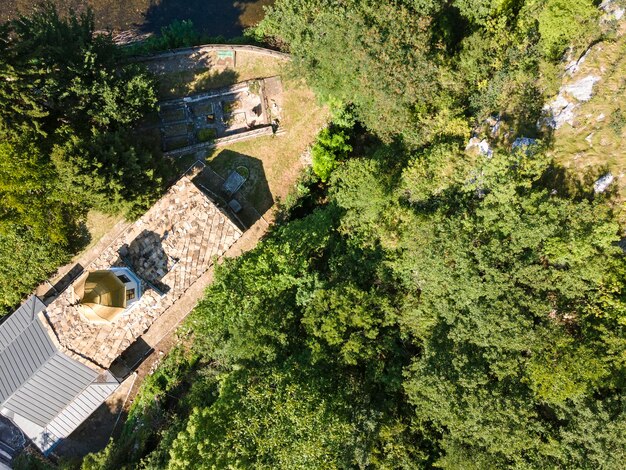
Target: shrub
[(330, 148), (562, 23)]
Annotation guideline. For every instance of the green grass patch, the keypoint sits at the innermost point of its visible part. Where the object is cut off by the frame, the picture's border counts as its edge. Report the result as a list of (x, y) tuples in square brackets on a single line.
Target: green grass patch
[(207, 135)]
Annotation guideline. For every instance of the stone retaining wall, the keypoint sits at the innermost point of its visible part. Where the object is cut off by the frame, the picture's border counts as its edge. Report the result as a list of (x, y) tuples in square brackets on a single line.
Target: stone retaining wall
[(219, 142), (188, 51)]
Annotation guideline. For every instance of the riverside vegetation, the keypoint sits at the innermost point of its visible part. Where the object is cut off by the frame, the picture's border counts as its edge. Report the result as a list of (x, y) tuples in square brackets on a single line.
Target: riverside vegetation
[(416, 306)]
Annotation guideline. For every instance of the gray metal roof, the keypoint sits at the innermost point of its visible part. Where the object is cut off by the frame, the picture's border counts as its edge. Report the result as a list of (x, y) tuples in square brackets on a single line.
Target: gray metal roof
[(80, 408), (24, 347), (49, 390), (19, 320), (42, 385)]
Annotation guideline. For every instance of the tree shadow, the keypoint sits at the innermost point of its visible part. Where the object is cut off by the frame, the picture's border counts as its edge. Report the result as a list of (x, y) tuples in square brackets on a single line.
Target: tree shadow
[(254, 196), (130, 359), (62, 284), (210, 17), (576, 185), (12, 440), (216, 79), (182, 124)]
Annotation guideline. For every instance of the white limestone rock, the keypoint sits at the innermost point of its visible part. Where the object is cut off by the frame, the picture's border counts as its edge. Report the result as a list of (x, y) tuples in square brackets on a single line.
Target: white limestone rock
[(525, 144), (481, 146), (495, 123), (602, 184), (559, 112), (563, 109), (582, 89), (574, 66), (612, 11)]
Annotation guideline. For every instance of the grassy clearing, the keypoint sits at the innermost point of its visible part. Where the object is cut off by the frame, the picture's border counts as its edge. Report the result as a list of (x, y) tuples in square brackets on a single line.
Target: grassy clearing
[(248, 66), (278, 156), (597, 141), (97, 225)]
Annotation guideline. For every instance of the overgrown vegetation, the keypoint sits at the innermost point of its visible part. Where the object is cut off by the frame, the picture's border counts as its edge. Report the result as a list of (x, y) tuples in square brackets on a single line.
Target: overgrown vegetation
[(180, 34), (418, 306), (331, 147), (67, 112), (436, 309)]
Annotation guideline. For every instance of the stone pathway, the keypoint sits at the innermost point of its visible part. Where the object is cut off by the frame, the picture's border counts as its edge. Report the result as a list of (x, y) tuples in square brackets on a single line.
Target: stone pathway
[(170, 247)]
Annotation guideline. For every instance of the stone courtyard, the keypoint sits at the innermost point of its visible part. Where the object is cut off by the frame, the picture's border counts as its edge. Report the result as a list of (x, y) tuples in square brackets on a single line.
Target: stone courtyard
[(169, 248)]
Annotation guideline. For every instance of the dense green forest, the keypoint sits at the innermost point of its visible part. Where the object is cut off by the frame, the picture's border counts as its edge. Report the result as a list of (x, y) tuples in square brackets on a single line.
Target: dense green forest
[(416, 305), (67, 110)]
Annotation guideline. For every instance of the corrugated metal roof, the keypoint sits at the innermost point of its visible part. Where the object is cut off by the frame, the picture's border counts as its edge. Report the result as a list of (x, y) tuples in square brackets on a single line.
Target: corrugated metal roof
[(41, 386), (80, 408), (19, 320), (24, 347), (49, 390)]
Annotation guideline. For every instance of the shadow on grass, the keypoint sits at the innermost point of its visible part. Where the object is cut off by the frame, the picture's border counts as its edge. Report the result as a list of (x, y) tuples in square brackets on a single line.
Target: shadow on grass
[(93, 434), (577, 185), (216, 79), (177, 84), (256, 188), (254, 196)]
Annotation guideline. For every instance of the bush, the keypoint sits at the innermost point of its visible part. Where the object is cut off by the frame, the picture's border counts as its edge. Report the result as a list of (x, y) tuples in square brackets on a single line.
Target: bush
[(206, 135), (330, 148), (563, 23), (181, 34)]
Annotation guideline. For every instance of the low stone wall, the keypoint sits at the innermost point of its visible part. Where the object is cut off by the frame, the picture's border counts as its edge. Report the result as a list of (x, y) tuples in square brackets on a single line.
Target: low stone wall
[(219, 142), (189, 51)]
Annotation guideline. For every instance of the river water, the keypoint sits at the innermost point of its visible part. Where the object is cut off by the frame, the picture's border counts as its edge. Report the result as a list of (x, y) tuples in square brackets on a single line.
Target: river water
[(213, 17)]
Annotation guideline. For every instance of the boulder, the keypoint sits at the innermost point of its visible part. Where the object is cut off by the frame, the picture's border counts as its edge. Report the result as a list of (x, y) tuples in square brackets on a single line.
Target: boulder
[(563, 109), (582, 89), (524, 144), (559, 112), (603, 183), (481, 146), (611, 10)]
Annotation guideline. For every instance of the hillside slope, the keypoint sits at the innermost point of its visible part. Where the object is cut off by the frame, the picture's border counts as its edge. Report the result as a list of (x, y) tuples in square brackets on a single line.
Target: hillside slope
[(590, 140)]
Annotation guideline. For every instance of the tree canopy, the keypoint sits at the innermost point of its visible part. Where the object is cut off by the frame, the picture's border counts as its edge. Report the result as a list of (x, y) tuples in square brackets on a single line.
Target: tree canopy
[(68, 105), (424, 306)]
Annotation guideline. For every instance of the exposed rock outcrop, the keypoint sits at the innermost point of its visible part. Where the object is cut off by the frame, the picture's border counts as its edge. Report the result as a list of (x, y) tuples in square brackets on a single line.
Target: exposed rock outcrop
[(603, 183)]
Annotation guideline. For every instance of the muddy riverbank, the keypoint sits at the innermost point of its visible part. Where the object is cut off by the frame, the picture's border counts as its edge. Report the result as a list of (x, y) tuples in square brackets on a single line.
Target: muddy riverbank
[(213, 17)]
